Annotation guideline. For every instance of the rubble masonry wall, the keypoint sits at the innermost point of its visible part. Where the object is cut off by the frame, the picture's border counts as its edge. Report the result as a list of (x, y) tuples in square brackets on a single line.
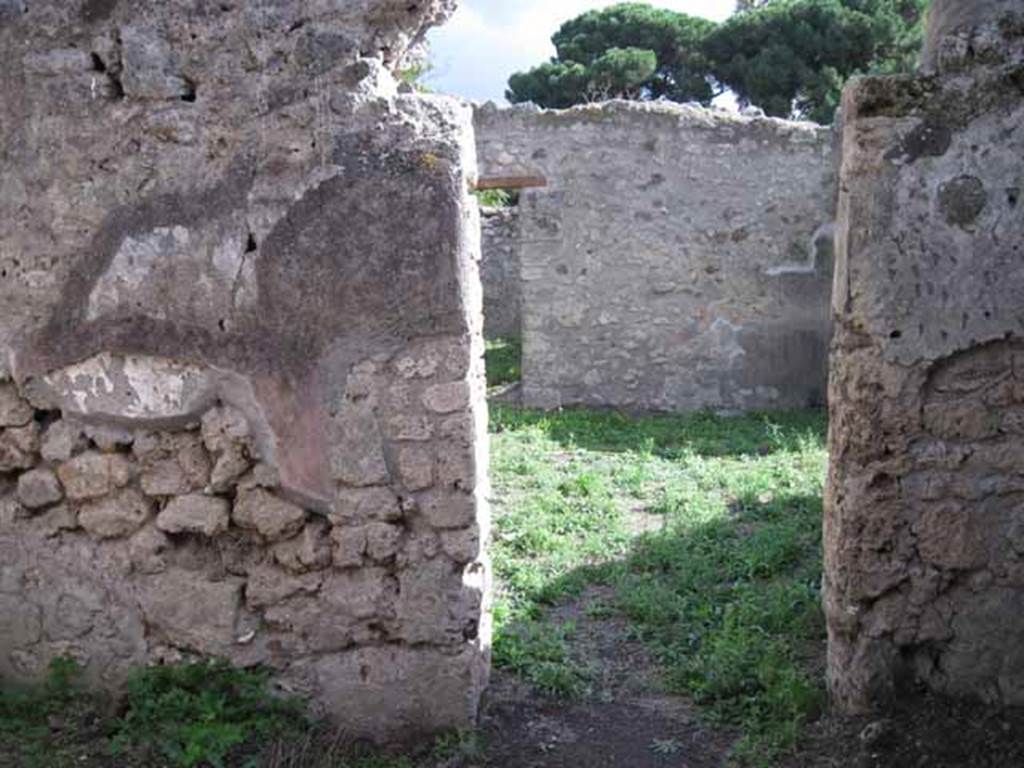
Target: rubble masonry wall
[(241, 387), (499, 271), (678, 258), (924, 512)]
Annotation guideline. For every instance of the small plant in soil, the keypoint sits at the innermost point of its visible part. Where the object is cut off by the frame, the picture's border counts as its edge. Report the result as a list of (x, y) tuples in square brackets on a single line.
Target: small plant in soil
[(724, 590), (197, 714), (36, 723)]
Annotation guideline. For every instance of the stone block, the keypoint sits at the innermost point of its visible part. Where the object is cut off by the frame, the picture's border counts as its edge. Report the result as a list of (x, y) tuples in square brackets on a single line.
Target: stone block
[(416, 466), (270, 516), (226, 436), (358, 457), (18, 447), (60, 440), (267, 586), (92, 475), (363, 504), (310, 550), (115, 516), (435, 606), (39, 488), (190, 613), (449, 508), (147, 550), (172, 464), (195, 513), (15, 411), (448, 398), (425, 690)]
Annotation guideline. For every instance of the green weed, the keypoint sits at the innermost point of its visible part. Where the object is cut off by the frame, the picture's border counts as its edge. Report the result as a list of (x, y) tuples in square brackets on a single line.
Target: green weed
[(539, 652), (498, 198), (726, 593), (27, 715), (195, 714), (458, 745), (502, 359)]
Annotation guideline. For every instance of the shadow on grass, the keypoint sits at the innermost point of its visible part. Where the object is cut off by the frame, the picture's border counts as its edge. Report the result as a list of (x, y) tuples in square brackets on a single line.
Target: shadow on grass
[(729, 606), (668, 436)]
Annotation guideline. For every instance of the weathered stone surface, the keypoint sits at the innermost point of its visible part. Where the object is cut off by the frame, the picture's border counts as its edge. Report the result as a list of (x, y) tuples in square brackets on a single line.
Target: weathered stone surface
[(195, 513), (147, 550), (189, 613), (359, 455), (92, 475), (60, 440), (363, 504), (349, 602), (499, 271), (175, 463), (14, 411), (18, 446), (379, 542), (202, 268), (963, 34), (461, 466), (416, 466), (108, 438), (142, 389), (226, 436), (448, 398), (39, 488), (465, 546), (349, 546), (420, 688), (678, 259), (269, 515), (437, 603), (53, 521), (923, 506), (114, 516), (20, 623), (410, 428), (449, 509), (444, 358), (268, 586), (310, 550)]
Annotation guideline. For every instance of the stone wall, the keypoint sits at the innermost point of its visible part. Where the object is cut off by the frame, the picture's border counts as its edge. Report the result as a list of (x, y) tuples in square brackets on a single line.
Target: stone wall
[(241, 391), (678, 259), (924, 524), (499, 271)]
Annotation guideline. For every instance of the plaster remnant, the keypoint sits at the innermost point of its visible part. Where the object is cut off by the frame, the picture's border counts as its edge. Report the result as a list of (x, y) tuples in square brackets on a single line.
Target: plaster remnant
[(201, 346)]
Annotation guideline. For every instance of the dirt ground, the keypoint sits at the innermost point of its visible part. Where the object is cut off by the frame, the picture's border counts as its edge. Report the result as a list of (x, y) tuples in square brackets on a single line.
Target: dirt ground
[(627, 720), (923, 731)]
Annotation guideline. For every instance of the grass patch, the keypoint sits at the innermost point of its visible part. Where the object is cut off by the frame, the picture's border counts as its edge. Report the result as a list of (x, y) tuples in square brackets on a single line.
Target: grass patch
[(497, 198), (206, 715), (725, 591), (39, 724), (502, 359), (199, 714)]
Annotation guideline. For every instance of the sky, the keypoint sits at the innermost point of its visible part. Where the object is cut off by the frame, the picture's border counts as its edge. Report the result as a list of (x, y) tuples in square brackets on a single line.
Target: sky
[(487, 40)]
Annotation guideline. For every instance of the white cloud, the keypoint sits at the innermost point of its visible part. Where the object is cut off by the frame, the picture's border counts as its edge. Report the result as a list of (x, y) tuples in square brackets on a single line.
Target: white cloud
[(488, 40)]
